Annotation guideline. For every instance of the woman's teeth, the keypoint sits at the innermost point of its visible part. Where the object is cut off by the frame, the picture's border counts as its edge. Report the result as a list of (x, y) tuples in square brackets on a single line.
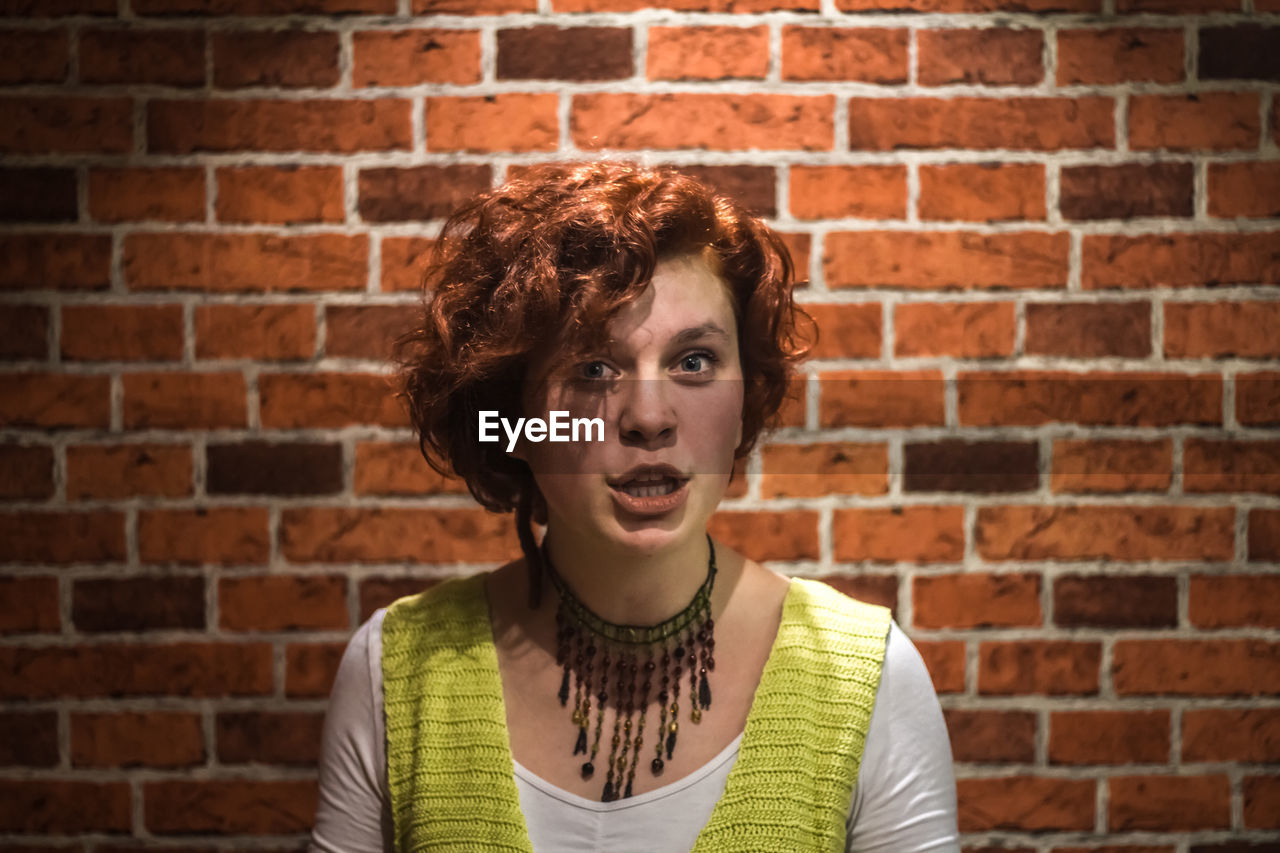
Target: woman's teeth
[(650, 488)]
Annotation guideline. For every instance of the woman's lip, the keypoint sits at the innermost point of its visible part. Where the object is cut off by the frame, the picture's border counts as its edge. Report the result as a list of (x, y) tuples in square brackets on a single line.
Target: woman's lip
[(657, 505)]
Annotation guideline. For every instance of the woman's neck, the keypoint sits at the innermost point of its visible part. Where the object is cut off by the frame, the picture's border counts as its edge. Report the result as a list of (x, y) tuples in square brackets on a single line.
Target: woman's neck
[(622, 586)]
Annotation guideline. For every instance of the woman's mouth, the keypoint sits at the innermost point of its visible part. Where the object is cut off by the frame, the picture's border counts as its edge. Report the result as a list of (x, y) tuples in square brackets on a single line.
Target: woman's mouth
[(649, 491), (650, 488)]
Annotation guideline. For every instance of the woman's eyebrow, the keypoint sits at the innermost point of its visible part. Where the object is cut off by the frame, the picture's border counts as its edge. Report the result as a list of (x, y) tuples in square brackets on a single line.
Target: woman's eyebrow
[(694, 333)]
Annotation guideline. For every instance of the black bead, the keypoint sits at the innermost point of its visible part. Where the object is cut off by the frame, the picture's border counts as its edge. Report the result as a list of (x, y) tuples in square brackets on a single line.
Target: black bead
[(608, 796), (564, 687), (587, 770), (656, 765), (704, 691), (580, 748), (627, 793), (671, 743)]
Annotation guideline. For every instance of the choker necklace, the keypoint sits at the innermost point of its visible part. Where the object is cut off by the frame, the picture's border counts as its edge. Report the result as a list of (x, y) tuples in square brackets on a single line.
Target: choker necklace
[(631, 657)]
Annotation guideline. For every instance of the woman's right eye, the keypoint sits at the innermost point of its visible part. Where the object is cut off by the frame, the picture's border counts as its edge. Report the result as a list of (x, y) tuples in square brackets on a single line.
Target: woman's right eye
[(594, 370)]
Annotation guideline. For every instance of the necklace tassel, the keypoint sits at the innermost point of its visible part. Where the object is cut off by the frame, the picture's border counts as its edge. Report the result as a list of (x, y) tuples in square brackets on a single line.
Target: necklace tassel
[(580, 748), (704, 691)]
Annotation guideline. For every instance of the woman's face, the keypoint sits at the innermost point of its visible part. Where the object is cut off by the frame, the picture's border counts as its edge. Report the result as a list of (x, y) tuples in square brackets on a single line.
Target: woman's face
[(668, 387)]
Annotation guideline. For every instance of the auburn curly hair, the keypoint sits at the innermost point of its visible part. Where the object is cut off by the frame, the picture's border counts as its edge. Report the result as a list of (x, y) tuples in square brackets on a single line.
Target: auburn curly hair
[(546, 260)]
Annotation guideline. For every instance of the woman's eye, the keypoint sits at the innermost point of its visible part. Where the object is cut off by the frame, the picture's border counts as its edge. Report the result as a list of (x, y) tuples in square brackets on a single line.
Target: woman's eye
[(593, 370), (697, 362)]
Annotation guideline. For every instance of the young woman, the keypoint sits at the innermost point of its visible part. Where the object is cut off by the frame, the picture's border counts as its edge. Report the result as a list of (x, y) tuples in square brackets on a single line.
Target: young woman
[(629, 684)]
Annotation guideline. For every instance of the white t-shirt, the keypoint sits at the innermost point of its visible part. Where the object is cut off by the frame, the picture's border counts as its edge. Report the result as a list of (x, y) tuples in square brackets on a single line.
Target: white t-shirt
[(905, 799)]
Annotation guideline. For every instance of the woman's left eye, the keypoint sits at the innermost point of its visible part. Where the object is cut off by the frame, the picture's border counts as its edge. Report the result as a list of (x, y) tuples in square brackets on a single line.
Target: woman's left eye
[(697, 362)]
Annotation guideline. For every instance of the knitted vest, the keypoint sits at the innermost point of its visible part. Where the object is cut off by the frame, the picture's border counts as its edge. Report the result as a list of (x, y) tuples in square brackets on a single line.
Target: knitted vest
[(449, 763)]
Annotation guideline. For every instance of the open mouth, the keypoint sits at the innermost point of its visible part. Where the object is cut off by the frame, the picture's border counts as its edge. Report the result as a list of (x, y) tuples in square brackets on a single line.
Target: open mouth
[(650, 489)]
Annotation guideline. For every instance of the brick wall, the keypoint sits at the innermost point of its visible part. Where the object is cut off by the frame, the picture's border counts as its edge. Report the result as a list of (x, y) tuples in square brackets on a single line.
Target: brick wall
[(1043, 244)]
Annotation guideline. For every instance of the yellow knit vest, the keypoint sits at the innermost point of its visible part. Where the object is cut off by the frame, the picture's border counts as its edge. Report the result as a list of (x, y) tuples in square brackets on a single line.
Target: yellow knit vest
[(449, 762)]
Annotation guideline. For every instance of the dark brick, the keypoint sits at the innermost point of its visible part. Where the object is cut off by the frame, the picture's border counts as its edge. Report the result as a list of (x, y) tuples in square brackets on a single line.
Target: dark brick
[(26, 473), (954, 465), (1146, 601), (1089, 329), (38, 195), (24, 331), (162, 57), (30, 739), (876, 589), (379, 592), (270, 737), (419, 192), (275, 58), (364, 331), (574, 53), (1127, 191), (991, 736), (138, 604), (753, 187), (267, 468), (1246, 52)]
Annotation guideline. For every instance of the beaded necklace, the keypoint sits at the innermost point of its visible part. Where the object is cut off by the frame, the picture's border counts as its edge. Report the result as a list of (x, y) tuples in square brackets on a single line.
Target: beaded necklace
[(630, 655)]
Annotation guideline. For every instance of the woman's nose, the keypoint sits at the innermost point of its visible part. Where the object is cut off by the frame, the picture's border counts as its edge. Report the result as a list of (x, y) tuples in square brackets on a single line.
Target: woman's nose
[(647, 416)]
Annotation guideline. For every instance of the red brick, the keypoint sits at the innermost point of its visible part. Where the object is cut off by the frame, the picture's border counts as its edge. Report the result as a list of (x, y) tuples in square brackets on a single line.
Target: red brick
[(309, 668), (403, 263), (414, 57), (564, 53), (283, 603), (914, 534), (383, 535), (846, 330), (266, 737), (837, 192), (990, 56), (1258, 398), (707, 53), (1089, 329), (986, 737), (142, 603), (881, 398), (1021, 123), (1127, 191), (134, 193), (776, 535), (1249, 735), (945, 662), (1220, 329), (54, 400), (969, 5), (1129, 398), (1215, 121), (1196, 667), (982, 192), (244, 806), (395, 194), (754, 188), (1109, 737), (259, 332), (328, 125), (1051, 667), (164, 57), (1262, 802), (280, 194), (976, 600), (1025, 803), (1111, 465), (24, 332), (1169, 803), (226, 263), (55, 536), (398, 468), (29, 605), (136, 739), (515, 121), (956, 329), (1244, 189), (1231, 466), (33, 56), (31, 739), (876, 589), (121, 332), (739, 6), (262, 7), (862, 54), (314, 400), (73, 125), (719, 121), (829, 468), (472, 7), (277, 58), (222, 535), (1228, 601), (186, 670), (55, 261), (1122, 601), (26, 472), (945, 260), (1180, 260), (1120, 55), (1105, 532), (1264, 534), (178, 400), (49, 806)]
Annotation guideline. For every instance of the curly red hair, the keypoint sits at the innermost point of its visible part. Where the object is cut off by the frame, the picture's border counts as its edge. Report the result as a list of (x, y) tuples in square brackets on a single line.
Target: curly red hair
[(545, 261)]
